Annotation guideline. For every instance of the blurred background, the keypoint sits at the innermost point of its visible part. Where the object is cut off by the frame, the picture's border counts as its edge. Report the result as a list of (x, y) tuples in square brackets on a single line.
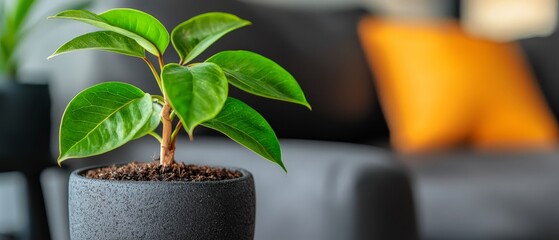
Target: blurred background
[(463, 95)]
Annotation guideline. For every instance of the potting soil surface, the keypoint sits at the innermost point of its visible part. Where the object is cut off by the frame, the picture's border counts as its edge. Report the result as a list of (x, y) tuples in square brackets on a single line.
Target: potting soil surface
[(153, 171)]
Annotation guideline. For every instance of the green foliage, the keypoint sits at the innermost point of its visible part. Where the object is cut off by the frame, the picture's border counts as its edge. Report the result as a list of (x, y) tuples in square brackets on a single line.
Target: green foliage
[(247, 127), (108, 115), (196, 93), (102, 118), (192, 37), (103, 40), (145, 29), (258, 75), (151, 124)]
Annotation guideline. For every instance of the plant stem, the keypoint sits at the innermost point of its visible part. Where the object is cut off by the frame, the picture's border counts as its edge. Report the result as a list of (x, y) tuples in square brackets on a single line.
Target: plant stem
[(161, 63), (159, 99), (172, 115), (167, 147), (167, 155), (156, 136), (176, 133), (155, 74)]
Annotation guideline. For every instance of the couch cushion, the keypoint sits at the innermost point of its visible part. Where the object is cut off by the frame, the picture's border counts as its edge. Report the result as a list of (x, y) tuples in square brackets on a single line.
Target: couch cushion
[(467, 195), (441, 87)]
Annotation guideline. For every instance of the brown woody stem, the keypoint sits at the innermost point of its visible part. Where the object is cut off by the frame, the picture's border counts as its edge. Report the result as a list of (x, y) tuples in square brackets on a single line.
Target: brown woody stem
[(167, 156)]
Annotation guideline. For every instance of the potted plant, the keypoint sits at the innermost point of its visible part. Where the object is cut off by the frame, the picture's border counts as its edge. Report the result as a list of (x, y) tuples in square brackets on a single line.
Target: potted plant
[(166, 199)]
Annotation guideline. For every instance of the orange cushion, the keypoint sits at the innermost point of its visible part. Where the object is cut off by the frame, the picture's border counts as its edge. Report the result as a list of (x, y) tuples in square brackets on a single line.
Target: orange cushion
[(440, 88)]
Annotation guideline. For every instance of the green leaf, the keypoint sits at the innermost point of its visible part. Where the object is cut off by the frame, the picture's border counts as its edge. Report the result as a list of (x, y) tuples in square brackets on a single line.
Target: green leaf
[(103, 40), (102, 118), (138, 25), (247, 127), (152, 123), (259, 75), (22, 9), (196, 93), (195, 35)]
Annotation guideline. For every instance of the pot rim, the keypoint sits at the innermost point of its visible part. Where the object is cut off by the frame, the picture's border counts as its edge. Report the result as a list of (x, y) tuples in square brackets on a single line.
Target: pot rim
[(77, 174)]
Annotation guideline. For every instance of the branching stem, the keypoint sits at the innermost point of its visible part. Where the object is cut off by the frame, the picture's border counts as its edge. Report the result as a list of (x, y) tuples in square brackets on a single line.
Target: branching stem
[(159, 99), (176, 133), (156, 136), (167, 148), (155, 74), (167, 156), (161, 63)]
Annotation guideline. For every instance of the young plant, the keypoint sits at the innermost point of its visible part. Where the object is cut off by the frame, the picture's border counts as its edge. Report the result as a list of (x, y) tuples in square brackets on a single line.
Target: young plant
[(108, 115)]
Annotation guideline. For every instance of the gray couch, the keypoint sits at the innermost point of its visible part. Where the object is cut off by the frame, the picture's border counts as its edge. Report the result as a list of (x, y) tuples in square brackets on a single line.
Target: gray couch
[(354, 191), (332, 190), (457, 195), (491, 195)]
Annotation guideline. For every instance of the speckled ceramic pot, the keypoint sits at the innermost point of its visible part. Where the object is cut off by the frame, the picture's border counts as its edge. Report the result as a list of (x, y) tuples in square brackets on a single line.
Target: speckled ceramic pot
[(105, 209)]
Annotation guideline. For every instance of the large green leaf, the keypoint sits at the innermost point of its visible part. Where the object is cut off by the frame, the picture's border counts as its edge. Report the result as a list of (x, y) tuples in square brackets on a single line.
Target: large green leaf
[(247, 127), (195, 35), (103, 40), (138, 25), (102, 118), (259, 75), (141, 23), (152, 123), (196, 93)]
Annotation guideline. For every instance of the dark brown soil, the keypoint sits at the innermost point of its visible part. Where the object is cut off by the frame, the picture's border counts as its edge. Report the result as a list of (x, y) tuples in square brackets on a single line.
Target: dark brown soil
[(153, 171)]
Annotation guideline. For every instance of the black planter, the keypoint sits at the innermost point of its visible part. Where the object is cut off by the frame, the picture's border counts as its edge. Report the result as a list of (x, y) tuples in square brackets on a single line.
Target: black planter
[(106, 209), (25, 145), (25, 123)]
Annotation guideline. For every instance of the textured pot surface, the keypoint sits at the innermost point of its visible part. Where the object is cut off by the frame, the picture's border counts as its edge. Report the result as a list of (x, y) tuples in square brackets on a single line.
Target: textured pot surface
[(106, 209)]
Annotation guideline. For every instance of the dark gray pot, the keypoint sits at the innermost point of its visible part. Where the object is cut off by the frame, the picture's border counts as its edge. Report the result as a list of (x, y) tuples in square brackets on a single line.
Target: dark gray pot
[(25, 144), (25, 121), (105, 209)]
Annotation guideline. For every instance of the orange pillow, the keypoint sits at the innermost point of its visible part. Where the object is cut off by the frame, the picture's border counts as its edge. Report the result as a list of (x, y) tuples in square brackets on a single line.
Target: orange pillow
[(440, 88)]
